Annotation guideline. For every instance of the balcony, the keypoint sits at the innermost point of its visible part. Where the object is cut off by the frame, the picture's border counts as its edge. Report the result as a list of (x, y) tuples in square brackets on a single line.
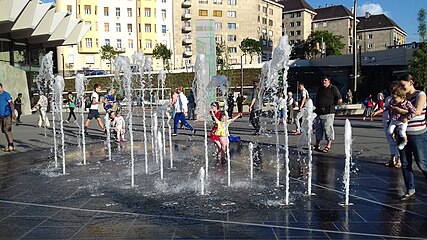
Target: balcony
[(186, 4), (188, 53), (186, 16), (186, 29), (187, 41)]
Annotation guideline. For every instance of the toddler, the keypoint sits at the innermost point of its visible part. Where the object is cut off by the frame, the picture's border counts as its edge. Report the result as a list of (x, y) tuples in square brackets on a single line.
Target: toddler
[(400, 120), (222, 132), (119, 126)]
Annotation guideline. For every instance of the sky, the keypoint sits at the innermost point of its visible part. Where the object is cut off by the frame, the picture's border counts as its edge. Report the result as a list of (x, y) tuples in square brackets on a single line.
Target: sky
[(403, 12)]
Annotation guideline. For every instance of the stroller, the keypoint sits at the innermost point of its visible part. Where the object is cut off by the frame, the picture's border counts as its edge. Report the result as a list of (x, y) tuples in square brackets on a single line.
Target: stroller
[(235, 139)]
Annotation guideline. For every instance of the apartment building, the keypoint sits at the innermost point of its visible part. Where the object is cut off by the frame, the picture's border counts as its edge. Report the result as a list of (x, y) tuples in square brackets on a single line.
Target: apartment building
[(234, 21), (337, 20), (377, 32), (297, 20)]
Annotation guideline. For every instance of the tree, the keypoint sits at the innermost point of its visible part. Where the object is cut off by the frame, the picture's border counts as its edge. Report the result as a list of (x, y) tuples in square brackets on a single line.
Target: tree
[(418, 64), (250, 47), (222, 56), (108, 53), (161, 51), (332, 43)]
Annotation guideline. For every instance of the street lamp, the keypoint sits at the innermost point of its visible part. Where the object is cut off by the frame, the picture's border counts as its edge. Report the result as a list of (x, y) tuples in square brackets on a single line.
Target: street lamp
[(354, 47), (241, 65), (63, 65)]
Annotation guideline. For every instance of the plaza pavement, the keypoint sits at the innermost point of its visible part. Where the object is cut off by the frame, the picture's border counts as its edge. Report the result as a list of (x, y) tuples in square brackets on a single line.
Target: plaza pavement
[(26, 212)]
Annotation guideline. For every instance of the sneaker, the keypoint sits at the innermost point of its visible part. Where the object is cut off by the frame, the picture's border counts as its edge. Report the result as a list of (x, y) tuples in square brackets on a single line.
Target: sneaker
[(193, 131), (8, 149), (407, 196), (66, 121), (402, 145), (174, 134)]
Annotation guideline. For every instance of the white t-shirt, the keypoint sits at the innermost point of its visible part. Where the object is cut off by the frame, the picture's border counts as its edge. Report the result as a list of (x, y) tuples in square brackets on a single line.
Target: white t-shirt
[(96, 96)]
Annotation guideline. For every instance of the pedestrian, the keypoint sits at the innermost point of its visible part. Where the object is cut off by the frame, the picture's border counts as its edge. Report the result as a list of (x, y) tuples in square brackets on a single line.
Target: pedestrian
[(327, 97), (18, 106), (42, 105), (222, 132), (400, 120), (281, 109), (215, 113), (110, 100), (7, 114), (349, 96), (290, 103), (369, 106), (240, 100), (93, 109), (301, 108), (173, 101), (71, 99), (230, 105), (254, 109), (394, 151), (181, 108), (416, 147), (191, 106), (119, 125), (380, 100)]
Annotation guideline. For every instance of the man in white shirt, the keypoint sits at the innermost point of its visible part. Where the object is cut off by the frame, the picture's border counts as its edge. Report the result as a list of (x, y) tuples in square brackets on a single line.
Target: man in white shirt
[(93, 110), (42, 105), (301, 108), (180, 112)]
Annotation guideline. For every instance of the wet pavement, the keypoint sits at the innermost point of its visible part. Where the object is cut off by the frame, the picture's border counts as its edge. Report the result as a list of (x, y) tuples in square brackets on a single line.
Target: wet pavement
[(96, 201)]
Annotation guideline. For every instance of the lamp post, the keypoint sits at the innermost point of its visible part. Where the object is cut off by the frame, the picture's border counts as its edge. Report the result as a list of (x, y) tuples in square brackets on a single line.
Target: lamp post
[(354, 47), (241, 66), (63, 65)]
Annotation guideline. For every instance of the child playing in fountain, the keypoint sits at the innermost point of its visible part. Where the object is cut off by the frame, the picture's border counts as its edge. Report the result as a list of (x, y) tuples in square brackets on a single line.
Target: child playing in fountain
[(398, 119), (222, 132), (119, 126)]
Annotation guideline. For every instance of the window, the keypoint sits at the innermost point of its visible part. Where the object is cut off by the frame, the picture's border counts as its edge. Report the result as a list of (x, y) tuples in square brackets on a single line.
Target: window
[(130, 28), (264, 9), (148, 43), (164, 13), (217, 13), (217, 2), (218, 25), (292, 33), (203, 12), (88, 42), (107, 42), (270, 33), (232, 2), (370, 45), (118, 27), (259, 18), (291, 42), (139, 27), (88, 23), (119, 43), (139, 12), (106, 13), (292, 24), (292, 15), (188, 49), (87, 9), (231, 25), (96, 10), (163, 1), (117, 12), (232, 38), (90, 59), (106, 27), (360, 37), (270, 22), (163, 29), (298, 23), (218, 38), (129, 10), (69, 9), (264, 42), (298, 14), (231, 14), (264, 20), (203, 1), (270, 11), (232, 49), (130, 43), (97, 42), (147, 12), (370, 36), (315, 25), (325, 24), (147, 27), (298, 32)]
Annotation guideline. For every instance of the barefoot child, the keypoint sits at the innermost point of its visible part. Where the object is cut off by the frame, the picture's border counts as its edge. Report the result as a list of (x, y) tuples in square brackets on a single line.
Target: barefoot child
[(222, 132), (399, 119), (119, 127)]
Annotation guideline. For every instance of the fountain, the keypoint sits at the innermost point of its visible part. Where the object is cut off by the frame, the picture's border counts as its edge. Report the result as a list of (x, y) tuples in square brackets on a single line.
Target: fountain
[(58, 88), (108, 126), (346, 178), (307, 126), (80, 84), (251, 159)]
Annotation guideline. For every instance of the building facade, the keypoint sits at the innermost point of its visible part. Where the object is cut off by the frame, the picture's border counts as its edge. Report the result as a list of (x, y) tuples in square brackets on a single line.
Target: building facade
[(377, 32), (234, 21)]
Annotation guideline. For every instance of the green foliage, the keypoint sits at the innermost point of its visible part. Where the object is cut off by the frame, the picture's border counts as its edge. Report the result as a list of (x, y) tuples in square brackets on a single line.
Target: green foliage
[(250, 47), (418, 64), (161, 51), (108, 53), (333, 43), (222, 56)]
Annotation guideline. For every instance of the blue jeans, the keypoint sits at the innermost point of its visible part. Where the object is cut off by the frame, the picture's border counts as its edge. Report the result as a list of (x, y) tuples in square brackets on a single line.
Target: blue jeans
[(416, 147), (180, 116)]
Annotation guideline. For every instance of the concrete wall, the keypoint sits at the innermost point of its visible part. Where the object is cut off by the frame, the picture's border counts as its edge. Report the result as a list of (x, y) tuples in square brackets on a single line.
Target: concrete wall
[(14, 81)]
